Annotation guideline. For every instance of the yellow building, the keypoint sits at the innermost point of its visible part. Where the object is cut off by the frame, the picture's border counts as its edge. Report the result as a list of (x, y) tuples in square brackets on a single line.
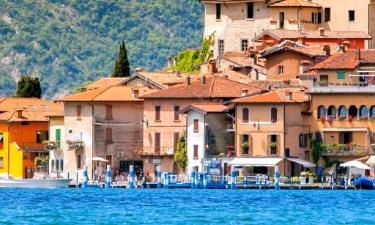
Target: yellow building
[(23, 128)]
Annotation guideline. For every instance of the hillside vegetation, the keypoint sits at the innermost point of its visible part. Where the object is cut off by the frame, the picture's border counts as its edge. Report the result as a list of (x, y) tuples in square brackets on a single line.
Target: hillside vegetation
[(69, 42)]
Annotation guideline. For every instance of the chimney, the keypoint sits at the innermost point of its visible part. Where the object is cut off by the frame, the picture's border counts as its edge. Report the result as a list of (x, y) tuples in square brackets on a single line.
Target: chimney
[(327, 50), (357, 52), (342, 48), (212, 66), (289, 95), (138, 69), (135, 93), (19, 113), (244, 92), (171, 62), (188, 80), (178, 73), (203, 80), (321, 31)]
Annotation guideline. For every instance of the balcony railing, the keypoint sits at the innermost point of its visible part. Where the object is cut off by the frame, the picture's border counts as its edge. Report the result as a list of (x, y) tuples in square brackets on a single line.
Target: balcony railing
[(52, 145), (75, 145), (349, 87), (347, 150), (31, 147), (162, 151)]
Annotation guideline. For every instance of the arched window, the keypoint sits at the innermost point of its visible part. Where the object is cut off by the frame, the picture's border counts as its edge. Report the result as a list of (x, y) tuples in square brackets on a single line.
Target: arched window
[(57, 165), (363, 111), (343, 112), (61, 164), (52, 165), (245, 115), (372, 111), (331, 112), (321, 112), (273, 115), (353, 112)]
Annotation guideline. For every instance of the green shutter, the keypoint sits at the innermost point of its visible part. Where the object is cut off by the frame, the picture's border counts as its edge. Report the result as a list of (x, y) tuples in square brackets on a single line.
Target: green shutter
[(58, 137), (341, 75)]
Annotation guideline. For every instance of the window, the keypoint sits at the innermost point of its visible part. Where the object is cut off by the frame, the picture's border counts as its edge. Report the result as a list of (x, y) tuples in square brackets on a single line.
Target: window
[(108, 135), (195, 156), (221, 46), (78, 162), (281, 19), (52, 165), (41, 136), (273, 115), (157, 143), (79, 109), (331, 112), (345, 138), (303, 139), (341, 75), (108, 112), (244, 44), (318, 137), (176, 136), (343, 112), (353, 112), (177, 113), (157, 113), (250, 10), (327, 14), (245, 144), (321, 112), (363, 112), (61, 164), (58, 138), (1, 140), (273, 144), (351, 15), (196, 126), (372, 113), (316, 17), (57, 165), (280, 70), (245, 115), (218, 11), (1, 162), (323, 79)]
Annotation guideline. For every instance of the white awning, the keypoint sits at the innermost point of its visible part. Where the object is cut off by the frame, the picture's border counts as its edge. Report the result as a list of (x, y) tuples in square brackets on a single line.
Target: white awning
[(267, 162), (99, 159), (355, 164), (334, 129), (304, 163), (371, 161)]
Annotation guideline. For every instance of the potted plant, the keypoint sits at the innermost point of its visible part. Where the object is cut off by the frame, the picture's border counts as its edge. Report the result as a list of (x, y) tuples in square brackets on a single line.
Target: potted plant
[(273, 146), (245, 147), (322, 118), (350, 118)]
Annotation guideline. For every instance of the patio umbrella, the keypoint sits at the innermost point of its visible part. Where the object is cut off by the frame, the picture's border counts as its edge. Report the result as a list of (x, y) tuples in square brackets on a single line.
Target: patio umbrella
[(355, 164), (99, 159), (371, 161)]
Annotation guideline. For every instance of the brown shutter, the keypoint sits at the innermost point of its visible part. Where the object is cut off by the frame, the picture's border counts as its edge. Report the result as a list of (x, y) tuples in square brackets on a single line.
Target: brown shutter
[(195, 152), (177, 113), (79, 109), (108, 134), (175, 140), (268, 144), (157, 113), (157, 143), (245, 115), (108, 112), (196, 126)]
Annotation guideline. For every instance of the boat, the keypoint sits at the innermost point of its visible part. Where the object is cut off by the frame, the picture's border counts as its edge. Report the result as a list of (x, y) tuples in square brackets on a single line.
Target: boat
[(364, 183), (34, 183)]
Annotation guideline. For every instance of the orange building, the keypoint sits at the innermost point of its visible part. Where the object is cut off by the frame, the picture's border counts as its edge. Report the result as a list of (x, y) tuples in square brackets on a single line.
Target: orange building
[(23, 129)]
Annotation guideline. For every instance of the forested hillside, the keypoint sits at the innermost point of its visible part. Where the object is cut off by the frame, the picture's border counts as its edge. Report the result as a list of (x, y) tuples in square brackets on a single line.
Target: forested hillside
[(69, 42)]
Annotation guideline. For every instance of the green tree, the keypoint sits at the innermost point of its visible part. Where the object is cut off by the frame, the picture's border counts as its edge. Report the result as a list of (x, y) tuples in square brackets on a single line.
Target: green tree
[(29, 87), (122, 68), (317, 150), (181, 154)]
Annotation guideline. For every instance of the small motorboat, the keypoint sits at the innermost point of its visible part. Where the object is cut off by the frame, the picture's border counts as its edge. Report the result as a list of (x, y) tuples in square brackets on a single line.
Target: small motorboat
[(364, 182), (34, 183)]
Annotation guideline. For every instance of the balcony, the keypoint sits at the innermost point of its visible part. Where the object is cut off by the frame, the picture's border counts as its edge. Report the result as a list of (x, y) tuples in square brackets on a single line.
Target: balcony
[(75, 145), (31, 147), (162, 151), (347, 150), (352, 87), (51, 145)]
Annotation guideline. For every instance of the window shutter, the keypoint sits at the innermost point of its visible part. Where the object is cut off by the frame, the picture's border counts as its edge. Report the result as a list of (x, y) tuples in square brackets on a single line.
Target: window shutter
[(319, 17)]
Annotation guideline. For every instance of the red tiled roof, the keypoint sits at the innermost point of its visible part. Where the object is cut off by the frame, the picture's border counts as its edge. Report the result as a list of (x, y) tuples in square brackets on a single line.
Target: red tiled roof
[(214, 87), (277, 96), (295, 3), (348, 60), (33, 109), (310, 50), (238, 58), (105, 82), (206, 107)]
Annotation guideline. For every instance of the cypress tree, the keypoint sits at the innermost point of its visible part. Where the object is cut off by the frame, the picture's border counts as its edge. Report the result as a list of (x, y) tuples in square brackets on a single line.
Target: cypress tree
[(122, 68), (29, 87), (181, 154)]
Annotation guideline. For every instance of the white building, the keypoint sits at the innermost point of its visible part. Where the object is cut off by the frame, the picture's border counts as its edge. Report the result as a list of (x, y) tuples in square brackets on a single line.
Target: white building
[(55, 146)]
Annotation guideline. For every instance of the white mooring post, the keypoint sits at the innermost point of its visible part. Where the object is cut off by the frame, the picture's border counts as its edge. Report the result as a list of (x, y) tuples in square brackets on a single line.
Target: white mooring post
[(108, 177)]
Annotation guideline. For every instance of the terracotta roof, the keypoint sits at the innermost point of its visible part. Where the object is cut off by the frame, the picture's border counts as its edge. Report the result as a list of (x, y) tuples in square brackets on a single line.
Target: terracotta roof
[(348, 60), (214, 87), (166, 79), (311, 50), (105, 82), (277, 96), (295, 3), (206, 107), (112, 93), (280, 34), (232, 75), (33, 109), (238, 58)]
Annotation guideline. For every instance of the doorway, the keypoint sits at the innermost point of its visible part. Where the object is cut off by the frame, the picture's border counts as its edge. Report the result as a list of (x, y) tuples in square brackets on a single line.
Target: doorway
[(281, 19)]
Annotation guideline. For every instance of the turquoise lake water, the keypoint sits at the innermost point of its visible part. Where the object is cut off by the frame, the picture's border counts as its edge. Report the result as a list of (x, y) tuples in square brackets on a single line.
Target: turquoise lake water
[(121, 206)]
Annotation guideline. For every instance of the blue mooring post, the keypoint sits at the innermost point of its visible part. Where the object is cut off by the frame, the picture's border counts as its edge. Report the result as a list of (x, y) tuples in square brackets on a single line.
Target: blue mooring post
[(131, 176), (346, 183), (85, 177), (158, 176), (277, 178), (108, 177), (233, 179), (332, 182), (196, 180), (205, 180), (192, 180), (166, 180)]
